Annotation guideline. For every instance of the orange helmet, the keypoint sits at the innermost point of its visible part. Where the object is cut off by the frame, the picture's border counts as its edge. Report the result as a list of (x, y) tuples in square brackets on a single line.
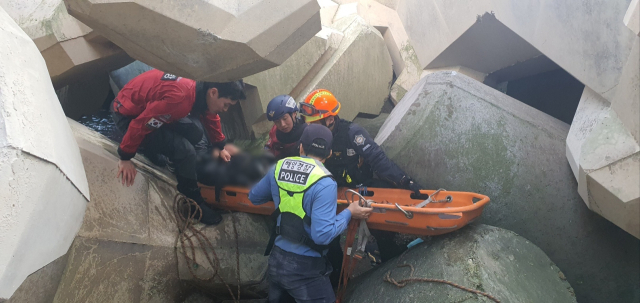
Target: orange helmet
[(318, 105)]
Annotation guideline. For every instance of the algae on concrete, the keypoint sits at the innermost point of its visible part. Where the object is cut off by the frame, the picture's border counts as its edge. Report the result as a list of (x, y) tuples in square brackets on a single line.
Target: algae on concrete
[(480, 257), (453, 132)]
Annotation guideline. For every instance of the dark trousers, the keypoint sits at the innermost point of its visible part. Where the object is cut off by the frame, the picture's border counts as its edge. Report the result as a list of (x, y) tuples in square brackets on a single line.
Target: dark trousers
[(335, 256), (175, 141), (298, 278)]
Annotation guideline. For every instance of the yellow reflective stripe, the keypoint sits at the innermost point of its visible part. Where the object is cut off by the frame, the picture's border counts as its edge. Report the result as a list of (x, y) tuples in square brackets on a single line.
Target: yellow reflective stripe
[(318, 94), (293, 203)]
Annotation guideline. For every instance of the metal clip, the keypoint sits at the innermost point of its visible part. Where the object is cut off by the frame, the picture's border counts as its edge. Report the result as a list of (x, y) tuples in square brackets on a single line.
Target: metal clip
[(407, 214)]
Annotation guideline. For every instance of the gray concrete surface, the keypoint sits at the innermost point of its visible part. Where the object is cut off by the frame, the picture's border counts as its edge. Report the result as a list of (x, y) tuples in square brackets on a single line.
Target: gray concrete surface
[(456, 133), (481, 257), (41, 286)]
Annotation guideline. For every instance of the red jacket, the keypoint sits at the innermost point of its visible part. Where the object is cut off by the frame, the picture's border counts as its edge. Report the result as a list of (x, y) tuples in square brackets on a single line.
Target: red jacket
[(279, 149), (154, 98)]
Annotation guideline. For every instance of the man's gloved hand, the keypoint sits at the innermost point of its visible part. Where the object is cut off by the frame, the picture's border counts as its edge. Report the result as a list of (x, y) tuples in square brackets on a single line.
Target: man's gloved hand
[(415, 187)]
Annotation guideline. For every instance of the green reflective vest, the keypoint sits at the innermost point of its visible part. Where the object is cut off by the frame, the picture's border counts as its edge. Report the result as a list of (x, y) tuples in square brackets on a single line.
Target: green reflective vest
[(294, 176)]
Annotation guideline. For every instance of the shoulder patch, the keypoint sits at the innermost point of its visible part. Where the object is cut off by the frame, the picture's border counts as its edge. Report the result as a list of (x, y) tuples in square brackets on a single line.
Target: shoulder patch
[(295, 172), (154, 123), (169, 77), (359, 140)]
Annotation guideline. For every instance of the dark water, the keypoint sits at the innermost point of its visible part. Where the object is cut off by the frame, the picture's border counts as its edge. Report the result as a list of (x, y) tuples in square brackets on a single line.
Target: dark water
[(102, 123)]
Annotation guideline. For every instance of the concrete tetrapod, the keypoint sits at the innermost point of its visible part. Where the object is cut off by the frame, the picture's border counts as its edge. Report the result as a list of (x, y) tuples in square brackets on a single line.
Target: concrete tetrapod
[(361, 83), (453, 132), (603, 149), (204, 39), (331, 60), (593, 56), (382, 16), (43, 187), (72, 51), (481, 257), (125, 249)]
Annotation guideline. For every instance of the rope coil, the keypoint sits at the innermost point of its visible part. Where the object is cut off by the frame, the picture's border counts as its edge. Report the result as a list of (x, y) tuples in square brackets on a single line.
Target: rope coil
[(188, 234)]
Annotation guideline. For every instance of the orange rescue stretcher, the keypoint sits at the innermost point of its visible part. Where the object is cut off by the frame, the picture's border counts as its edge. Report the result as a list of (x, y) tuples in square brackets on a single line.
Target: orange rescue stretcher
[(393, 209)]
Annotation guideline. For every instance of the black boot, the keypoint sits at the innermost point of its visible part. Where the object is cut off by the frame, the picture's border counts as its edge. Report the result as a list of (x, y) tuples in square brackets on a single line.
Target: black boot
[(190, 189)]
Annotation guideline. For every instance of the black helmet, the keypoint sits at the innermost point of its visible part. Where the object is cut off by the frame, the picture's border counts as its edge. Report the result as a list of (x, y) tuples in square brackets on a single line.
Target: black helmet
[(280, 105)]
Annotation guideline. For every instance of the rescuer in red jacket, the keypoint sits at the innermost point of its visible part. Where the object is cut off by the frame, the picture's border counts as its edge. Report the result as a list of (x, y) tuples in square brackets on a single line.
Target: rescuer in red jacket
[(151, 111)]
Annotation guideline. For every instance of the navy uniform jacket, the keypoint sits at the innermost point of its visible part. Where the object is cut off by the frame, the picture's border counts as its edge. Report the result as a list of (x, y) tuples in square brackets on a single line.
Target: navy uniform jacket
[(356, 156)]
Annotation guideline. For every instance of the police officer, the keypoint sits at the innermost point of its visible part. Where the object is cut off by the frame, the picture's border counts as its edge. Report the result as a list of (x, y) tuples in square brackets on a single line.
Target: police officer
[(355, 159), (287, 127), (305, 196), (150, 110)]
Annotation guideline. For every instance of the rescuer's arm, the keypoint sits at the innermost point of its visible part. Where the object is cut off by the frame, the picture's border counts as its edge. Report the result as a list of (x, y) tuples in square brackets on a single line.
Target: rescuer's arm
[(325, 224), (261, 192), (152, 118), (213, 129), (365, 146)]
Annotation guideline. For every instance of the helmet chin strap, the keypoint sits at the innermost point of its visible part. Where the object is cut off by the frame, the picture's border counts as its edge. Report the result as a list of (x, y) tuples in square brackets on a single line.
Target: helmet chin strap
[(324, 122), (293, 119)]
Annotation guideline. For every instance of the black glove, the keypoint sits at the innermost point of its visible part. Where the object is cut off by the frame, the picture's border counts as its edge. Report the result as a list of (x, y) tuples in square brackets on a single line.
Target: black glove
[(415, 187)]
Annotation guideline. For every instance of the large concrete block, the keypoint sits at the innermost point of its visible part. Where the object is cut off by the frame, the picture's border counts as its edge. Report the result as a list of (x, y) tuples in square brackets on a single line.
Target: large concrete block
[(331, 60), (614, 193), (455, 133), (43, 187), (71, 49), (380, 15), (328, 9), (627, 99), (126, 248), (253, 231), (108, 271), (632, 17), (600, 144), (603, 149), (487, 258), (569, 33), (284, 79), (360, 83), (41, 286), (608, 142), (204, 39), (591, 110)]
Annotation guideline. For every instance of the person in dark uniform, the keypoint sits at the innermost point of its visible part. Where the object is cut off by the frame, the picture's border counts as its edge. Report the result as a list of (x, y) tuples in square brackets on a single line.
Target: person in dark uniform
[(356, 158), (151, 111), (287, 127)]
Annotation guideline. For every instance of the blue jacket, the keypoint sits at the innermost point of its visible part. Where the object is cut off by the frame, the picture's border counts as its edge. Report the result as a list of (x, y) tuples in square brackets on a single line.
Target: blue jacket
[(320, 202), (350, 142)]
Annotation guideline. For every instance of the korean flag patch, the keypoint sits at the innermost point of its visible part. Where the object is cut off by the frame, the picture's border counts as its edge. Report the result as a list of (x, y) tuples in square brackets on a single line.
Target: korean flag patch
[(154, 123)]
